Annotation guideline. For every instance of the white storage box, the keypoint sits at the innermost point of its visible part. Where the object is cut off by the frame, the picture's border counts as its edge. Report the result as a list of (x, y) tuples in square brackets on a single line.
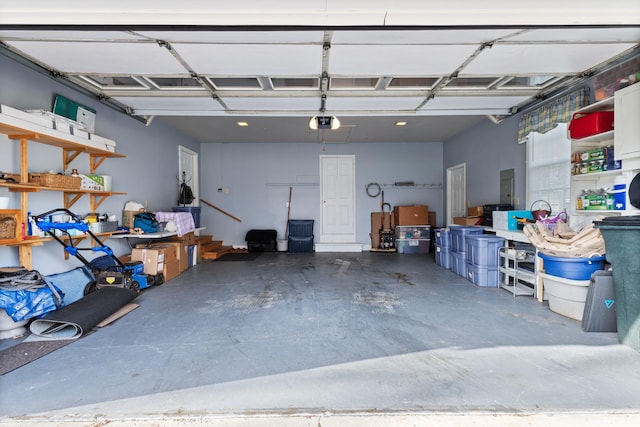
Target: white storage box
[(23, 115), (566, 297)]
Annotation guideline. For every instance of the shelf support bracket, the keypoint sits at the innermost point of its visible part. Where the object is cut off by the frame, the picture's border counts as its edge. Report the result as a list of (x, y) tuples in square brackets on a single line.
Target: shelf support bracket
[(96, 201), (70, 199), (68, 156), (95, 161)]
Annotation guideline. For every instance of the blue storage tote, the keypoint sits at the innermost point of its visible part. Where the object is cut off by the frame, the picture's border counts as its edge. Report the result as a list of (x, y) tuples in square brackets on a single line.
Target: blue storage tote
[(458, 234), (443, 257), (301, 227), (459, 263), (488, 277), (572, 268), (482, 249), (300, 244), (443, 237)]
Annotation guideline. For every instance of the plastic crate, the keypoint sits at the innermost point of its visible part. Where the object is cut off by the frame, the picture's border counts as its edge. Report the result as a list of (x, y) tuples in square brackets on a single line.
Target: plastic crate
[(482, 249), (487, 277), (413, 232), (413, 246), (508, 220), (300, 228), (443, 237), (459, 263), (458, 234), (300, 244), (443, 257)]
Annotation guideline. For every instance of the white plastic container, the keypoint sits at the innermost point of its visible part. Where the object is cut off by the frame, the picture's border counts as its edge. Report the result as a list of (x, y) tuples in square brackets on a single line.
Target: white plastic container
[(566, 297), (4, 202)]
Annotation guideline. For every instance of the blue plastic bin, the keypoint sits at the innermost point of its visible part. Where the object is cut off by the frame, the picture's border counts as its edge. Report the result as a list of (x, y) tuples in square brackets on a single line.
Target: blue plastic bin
[(443, 237), (443, 257), (482, 249), (300, 227), (572, 268), (458, 234)]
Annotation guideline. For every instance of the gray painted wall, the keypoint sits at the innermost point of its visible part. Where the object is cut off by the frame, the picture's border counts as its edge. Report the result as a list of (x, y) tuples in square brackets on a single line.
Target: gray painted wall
[(258, 176), (147, 173), (487, 149)]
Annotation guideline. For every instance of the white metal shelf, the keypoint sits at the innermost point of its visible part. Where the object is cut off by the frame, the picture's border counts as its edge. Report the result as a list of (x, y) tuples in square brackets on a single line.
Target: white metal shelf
[(513, 274)]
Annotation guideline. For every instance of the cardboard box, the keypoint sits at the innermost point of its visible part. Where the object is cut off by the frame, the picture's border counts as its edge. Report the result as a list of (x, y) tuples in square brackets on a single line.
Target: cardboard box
[(186, 239), (475, 211), (181, 251), (411, 215), (153, 259), (467, 220), (376, 221), (432, 219), (91, 182), (171, 269), (375, 240)]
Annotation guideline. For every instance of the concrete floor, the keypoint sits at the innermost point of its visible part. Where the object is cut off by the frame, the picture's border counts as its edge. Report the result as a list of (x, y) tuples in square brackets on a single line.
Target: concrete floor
[(330, 339)]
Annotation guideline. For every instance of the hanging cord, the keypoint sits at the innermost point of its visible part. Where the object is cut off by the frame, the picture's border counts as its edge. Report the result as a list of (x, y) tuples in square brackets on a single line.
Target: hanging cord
[(29, 281)]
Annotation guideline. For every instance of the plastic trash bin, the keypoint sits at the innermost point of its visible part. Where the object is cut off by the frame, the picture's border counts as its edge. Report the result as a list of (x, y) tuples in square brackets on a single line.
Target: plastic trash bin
[(622, 242)]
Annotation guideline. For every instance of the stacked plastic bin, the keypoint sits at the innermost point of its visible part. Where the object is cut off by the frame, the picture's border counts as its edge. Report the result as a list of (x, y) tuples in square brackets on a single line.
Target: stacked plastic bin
[(483, 259), (300, 235), (443, 247), (459, 233), (413, 239)]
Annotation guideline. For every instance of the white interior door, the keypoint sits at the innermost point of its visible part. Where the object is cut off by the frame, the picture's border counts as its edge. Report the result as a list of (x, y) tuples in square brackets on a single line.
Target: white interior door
[(188, 164), (337, 203), (456, 192)]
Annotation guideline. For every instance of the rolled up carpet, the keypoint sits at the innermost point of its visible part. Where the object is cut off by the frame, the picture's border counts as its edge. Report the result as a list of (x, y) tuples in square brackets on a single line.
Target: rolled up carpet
[(78, 318)]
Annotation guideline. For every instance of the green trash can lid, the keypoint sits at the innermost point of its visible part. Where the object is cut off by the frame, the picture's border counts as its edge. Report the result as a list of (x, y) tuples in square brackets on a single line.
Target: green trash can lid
[(619, 221)]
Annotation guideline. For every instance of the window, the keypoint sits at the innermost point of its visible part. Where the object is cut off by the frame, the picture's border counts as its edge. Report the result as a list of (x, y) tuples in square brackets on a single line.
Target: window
[(549, 168)]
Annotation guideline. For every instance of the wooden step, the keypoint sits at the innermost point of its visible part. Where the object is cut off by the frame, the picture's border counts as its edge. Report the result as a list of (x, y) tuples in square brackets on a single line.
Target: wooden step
[(211, 246), (217, 253)]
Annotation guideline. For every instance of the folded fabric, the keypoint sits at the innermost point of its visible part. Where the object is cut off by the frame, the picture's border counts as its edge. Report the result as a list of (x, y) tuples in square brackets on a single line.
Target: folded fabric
[(183, 221)]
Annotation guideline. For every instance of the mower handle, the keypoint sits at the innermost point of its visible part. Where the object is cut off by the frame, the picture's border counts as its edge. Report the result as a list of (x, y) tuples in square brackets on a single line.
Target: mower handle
[(59, 210)]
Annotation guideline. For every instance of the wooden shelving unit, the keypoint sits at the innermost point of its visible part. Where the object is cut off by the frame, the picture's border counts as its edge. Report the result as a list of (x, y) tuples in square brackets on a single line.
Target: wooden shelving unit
[(72, 146)]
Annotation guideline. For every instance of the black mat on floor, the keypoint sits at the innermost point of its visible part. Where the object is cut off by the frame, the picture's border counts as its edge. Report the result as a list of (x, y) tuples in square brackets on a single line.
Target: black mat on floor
[(26, 352), (80, 317), (247, 256)]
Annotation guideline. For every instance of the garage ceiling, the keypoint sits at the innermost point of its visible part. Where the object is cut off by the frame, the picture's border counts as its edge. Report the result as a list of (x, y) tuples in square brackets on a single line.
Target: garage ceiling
[(210, 65)]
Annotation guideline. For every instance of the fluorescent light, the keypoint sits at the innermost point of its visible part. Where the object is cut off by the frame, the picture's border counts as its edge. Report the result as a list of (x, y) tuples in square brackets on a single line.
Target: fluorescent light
[(243, 124), (401, 123), (324, 122)]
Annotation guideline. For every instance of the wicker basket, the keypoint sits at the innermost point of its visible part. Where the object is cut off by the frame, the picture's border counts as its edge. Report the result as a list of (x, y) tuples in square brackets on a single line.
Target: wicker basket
[(55, 180), (11, 176), (8, 224)]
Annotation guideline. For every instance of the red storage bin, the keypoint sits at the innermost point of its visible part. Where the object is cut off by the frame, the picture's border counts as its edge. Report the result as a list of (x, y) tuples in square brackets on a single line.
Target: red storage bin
[(583, 125)]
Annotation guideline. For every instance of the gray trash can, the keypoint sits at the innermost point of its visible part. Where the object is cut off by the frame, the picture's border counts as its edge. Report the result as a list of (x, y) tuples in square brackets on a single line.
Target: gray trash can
[(622, 241)]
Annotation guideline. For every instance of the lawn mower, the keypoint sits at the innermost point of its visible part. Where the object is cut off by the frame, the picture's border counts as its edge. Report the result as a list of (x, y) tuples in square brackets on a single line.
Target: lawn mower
[(128, 275)]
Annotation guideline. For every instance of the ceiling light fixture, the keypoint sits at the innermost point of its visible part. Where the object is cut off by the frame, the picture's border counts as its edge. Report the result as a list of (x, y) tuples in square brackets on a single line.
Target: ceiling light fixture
[(324, 122), (401, 123), (243, 124)]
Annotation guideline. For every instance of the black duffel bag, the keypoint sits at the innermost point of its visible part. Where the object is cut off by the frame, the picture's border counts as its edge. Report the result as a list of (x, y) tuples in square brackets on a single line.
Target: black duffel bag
[(262, 240)]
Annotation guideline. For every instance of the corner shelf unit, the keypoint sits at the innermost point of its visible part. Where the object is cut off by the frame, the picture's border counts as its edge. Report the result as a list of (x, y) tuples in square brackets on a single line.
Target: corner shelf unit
[(623, 139), (72, 146)]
